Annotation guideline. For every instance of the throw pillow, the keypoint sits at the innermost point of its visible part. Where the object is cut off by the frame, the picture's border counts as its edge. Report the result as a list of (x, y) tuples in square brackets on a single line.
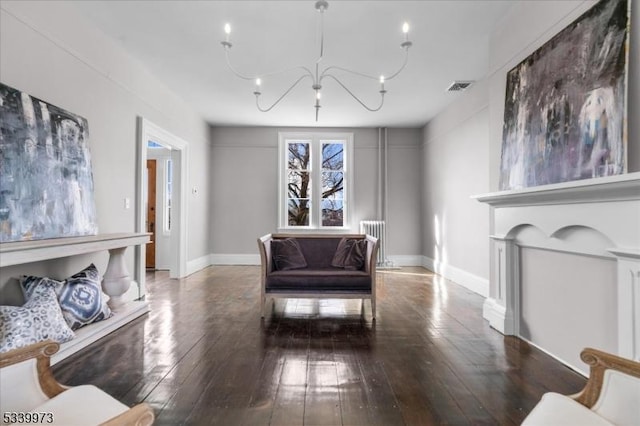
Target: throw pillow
[(350, 254), (287, 255), (39, 319), (80, 296)]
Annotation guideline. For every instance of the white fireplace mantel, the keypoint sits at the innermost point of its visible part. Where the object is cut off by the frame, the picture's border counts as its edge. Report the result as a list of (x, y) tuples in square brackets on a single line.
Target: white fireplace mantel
[(596, 217), (607, 189)]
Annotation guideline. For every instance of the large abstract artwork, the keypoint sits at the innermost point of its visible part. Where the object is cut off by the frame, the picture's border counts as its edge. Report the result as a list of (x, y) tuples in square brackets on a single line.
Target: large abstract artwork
[(46, 183), (565, 108)]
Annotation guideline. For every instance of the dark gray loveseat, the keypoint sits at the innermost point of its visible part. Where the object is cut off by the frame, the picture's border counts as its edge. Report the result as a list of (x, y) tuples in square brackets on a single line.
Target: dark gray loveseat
[(313, 275)]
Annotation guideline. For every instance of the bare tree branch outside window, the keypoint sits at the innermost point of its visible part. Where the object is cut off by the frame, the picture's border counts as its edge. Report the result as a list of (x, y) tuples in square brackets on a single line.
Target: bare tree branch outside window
[(300, 185)]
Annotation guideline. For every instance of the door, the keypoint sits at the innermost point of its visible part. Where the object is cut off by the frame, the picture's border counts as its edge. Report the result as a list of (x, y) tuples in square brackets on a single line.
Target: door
[(151, 213)]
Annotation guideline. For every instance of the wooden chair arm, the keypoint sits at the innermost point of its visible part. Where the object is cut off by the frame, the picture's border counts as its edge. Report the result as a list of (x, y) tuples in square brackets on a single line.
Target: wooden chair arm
[(42, 353), (598, 362), (139, 415)]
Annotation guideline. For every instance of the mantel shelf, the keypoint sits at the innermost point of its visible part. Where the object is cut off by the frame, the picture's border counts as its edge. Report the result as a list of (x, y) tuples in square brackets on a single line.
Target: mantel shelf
[(606, 189), (20, 252)]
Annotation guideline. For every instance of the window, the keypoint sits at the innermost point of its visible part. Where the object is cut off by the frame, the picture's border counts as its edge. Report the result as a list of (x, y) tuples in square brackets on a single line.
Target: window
[(315, 180)]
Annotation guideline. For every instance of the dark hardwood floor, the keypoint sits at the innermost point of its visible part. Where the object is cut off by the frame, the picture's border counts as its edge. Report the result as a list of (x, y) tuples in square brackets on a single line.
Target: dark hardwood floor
[(203, 356)]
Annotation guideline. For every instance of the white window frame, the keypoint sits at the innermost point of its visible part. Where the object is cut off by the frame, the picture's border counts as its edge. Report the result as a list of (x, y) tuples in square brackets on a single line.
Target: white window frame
[(316, 140)]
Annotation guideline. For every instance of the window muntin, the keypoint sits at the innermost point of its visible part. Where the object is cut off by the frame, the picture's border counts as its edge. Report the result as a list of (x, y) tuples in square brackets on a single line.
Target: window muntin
[(314, 176)]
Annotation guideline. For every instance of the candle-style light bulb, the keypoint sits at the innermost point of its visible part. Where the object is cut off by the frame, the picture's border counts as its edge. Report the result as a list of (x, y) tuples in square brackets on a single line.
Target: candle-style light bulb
[(382, 83), (227, 31), (405, 30), (318, 95)]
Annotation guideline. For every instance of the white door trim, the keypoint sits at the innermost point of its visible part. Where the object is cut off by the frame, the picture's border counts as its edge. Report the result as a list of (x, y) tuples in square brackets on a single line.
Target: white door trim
[(180, 156)]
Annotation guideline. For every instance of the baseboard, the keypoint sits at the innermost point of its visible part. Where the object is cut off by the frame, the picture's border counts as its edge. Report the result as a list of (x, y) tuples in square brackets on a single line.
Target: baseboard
[(235, 259), (582, 371), (198, 264), (406, 260), (221, 259), (495, 314), (459, 276)]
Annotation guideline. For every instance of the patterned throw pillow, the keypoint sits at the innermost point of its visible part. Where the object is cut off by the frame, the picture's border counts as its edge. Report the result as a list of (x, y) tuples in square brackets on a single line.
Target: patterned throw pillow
[(39, 319), (80, 296)]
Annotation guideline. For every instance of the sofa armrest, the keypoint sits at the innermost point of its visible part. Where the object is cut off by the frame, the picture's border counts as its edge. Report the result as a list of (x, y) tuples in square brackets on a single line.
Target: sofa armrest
[(139, 415), (264, 247), (371, 259), (25, 376), (610, 396), (599, 362)]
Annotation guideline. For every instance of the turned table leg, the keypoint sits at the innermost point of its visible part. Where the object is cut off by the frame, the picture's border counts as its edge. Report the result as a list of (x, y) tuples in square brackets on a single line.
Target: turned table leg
[(116, 280)]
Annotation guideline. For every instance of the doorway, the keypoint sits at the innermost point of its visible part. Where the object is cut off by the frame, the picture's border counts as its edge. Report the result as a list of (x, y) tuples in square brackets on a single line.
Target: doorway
[(152, 201), (177, 150), (159, 191)]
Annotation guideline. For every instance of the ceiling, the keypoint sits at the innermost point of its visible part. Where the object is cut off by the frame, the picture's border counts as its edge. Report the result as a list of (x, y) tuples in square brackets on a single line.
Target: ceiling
[(179, 42)]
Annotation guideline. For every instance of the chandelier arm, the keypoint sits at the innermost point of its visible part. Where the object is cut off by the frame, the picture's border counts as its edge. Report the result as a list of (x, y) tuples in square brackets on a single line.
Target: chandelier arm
[(361, 74), (404, 64), (335, 67), (281, 97), (365, 106), (247, 77)]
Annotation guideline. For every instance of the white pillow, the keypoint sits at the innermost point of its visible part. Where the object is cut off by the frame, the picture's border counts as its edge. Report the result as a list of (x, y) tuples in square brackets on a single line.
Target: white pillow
[(39, 319)]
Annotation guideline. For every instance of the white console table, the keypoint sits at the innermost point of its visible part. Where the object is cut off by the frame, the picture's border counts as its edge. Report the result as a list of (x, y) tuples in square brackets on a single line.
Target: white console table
[(115, 283)]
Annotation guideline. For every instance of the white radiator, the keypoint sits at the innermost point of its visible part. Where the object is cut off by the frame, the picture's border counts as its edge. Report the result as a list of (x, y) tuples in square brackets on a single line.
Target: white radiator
[(376, 228)]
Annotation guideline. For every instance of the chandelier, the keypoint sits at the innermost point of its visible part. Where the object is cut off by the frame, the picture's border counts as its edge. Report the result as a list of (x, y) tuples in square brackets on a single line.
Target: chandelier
[(319, 74)]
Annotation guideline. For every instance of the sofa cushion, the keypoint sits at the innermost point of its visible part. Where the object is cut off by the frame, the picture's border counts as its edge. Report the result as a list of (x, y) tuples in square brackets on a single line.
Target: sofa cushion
[(80, 296), (39, 319), (319, 280), (80, 405), (287, 255), (556, 409), (350, 254), (318, 252)]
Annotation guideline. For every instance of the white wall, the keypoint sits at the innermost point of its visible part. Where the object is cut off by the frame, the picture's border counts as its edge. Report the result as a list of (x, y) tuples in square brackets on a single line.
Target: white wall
[(244, 166), (50, 52), (471, 128), (557, 290), (455, 157)]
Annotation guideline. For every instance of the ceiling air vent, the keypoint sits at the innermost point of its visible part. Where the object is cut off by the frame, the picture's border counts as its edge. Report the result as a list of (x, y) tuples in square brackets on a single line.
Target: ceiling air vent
[(459, 86)]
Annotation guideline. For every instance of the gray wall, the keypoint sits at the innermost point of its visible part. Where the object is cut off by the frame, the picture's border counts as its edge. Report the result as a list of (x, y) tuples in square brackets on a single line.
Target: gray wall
[(244, 167), (554, 295), (462, 145), (558, 289), (50, 52)]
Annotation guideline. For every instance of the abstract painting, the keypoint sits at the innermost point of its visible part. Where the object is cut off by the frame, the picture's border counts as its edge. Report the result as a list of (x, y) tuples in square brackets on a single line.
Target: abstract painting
[(46, 183), (565, 108)]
